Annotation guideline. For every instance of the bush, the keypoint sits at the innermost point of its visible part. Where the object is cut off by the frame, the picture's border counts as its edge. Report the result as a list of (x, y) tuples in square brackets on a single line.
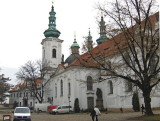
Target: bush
[(135, 102), (76, 106)]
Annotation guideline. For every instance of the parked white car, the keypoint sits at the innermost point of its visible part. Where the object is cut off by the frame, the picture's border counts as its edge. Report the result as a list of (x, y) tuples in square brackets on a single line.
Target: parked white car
[(22, 114), (62, 109)]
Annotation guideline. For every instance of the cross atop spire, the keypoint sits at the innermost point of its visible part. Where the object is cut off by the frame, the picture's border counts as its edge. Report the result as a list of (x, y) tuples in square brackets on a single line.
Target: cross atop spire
[(74, 36), (52, 2)]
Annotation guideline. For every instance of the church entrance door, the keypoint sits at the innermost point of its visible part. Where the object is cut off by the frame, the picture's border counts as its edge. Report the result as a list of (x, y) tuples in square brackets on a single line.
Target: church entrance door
[(90, 101), (25, 102)]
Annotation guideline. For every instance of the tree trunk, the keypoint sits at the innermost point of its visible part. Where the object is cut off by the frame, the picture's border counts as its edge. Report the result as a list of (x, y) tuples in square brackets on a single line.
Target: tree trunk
[(147, 101)]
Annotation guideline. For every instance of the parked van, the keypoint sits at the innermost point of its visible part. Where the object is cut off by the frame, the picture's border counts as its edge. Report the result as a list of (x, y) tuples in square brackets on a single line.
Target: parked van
[(62, 109), (51, 107), (41, 106)]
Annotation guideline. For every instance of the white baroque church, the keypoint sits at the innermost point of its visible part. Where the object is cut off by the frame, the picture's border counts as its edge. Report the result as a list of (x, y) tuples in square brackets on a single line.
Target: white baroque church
[(83, 81)]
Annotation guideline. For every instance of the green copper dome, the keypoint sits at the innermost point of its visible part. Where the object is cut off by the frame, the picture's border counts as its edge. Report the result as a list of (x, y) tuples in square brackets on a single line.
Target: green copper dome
[(75, 44), (52, 31), (103, 36), (75, 52)]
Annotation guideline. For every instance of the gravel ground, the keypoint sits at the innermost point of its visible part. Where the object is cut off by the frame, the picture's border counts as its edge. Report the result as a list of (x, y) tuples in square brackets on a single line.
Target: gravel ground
[(84, 116)]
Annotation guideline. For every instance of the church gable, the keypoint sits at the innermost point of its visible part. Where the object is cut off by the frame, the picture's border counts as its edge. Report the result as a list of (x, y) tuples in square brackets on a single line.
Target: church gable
[(60, 69)]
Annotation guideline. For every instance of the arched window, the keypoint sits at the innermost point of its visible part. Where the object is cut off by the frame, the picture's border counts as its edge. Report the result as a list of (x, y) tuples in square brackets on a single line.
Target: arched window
[(54, 53), (20, 94), (89, 83), (110, 87), (61, 87), (128, 86)]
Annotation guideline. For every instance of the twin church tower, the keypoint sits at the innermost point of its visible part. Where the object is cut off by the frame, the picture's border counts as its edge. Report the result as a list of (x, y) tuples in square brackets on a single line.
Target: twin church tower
[(52, 45)]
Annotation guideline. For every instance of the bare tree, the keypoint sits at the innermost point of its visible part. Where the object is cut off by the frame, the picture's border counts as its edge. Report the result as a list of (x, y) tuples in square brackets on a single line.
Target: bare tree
[(136, 49), (31, 72), (4, 87)]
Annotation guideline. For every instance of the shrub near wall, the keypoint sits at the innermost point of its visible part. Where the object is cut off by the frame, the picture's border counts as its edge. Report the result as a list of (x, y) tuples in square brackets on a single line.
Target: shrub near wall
[(135, 102), (76, 106)]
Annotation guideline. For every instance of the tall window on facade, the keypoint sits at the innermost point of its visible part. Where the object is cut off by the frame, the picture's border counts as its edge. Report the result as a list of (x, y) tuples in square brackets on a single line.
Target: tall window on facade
[(30, 94), (44, 53), (31, 104), (54, 53), (61, 88), (69, 88), (128, 86), (110, 87), (55, 90), (89, 83), (153, 63), (26, 94)]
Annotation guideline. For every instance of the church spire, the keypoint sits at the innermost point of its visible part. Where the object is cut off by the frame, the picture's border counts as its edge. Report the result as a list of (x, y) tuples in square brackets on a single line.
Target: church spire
[(52, 31), (89, 41), (75, 47), (102, 27)]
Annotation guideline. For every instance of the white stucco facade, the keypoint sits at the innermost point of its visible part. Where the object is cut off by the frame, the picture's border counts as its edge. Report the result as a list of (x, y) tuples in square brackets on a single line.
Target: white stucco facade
[(87, 84)]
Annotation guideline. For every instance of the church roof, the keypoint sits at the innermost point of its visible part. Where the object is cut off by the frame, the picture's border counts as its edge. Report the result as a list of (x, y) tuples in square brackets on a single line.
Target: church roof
[(71, 58), (23, 85), (107, 48)]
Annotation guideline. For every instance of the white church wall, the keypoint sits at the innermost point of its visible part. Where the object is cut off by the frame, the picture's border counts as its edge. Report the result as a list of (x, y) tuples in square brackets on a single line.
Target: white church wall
[(48, 44)]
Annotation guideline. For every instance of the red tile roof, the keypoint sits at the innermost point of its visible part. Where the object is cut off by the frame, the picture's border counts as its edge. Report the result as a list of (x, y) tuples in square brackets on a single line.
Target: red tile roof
[(22, 85), (107, 48)]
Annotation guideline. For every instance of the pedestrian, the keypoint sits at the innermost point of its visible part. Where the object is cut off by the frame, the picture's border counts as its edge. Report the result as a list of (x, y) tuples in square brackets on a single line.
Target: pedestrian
[(142, 107), (93, 114), (121, 109), (37, 110), (97, 112)]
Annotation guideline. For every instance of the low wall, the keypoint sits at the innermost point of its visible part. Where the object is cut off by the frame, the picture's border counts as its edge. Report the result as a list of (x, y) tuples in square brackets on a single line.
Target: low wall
[(6, 105)]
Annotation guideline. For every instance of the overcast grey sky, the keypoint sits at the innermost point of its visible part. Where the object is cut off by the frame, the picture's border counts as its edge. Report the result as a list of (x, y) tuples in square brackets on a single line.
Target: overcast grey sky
[(23, 22)]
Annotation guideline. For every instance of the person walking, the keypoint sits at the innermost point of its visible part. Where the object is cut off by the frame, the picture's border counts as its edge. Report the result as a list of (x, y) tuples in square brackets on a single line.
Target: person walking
[(97, 112), (142, 107), (37, 110), (93, 114)]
